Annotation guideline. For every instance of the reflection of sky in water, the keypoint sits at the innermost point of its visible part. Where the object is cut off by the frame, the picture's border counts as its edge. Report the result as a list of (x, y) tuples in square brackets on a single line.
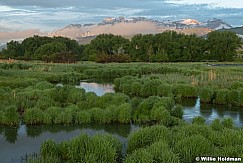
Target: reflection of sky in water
[(211, 112), (98, 89), (29, 138)]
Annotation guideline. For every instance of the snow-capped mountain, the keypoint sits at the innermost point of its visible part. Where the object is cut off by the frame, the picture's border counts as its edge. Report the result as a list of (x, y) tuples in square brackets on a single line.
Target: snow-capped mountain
[(130, 26), (217, 24)]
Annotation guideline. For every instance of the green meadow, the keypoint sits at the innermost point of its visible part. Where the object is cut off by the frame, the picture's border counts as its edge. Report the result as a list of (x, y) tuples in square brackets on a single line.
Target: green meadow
[(147, 94)]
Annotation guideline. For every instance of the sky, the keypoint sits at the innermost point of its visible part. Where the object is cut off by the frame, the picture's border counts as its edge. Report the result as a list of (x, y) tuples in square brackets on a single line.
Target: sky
[(49, 15)]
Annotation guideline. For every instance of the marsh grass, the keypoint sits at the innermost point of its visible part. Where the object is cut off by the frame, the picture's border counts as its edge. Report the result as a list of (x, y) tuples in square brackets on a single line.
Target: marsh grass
[(9, 116), (146, 136), (191, 147), (99, 148)]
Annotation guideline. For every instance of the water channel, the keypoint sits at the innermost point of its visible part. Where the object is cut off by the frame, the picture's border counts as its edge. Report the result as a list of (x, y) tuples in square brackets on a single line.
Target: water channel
[(22, 140)]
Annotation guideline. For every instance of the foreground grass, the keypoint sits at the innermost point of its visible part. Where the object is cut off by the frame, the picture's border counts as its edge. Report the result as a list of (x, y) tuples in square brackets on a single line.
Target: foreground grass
[(148, 95), (156, 144)]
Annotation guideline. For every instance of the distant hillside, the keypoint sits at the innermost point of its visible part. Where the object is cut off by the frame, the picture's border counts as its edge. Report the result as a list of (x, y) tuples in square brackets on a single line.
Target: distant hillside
[(237, 30), (78, 32), (139, 25)]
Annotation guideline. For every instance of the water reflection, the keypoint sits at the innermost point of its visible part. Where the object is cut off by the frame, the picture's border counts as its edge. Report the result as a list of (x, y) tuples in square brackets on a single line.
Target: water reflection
[(10, 133), (17, 142), (211, 112), (98, 88)]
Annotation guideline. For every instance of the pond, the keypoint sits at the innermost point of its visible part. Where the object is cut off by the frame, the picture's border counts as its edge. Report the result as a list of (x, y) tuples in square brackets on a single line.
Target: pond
[(191, 107), (17, 142), (98, 88), (22, 140)]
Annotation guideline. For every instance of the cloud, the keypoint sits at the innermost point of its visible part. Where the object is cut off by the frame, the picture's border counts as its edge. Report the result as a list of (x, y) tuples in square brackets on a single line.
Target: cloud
[(211, 3), (18, 35), (49, 15), (48, 19)]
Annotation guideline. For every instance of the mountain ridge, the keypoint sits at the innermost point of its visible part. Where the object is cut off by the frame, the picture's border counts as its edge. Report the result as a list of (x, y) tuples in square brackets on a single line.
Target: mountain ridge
[(136, 25)]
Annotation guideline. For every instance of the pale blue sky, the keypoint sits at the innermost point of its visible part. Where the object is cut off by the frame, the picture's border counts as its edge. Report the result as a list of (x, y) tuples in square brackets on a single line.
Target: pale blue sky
[(49, 15)]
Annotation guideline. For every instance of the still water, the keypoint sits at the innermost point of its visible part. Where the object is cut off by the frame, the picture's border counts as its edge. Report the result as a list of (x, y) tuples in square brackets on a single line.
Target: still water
[(191, 107), (99, 88), (15, 143)]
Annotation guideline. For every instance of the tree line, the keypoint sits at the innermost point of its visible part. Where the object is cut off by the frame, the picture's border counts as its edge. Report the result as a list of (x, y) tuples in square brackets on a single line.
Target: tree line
[(168, 46), (48, 49)]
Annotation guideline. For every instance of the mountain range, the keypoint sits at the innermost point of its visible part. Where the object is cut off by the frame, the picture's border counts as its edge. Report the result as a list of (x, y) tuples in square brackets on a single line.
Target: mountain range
[(130, 26), (126, 27)]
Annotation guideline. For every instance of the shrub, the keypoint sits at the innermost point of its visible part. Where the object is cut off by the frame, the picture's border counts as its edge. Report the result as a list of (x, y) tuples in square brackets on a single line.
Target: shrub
[(136, 88), (206, 94), (167, 102), (146, 136), (185, 91), (177, 111), (162, 152), (45, 102), (216, 125), (100, 148), (241, 97), (221, 97), (124, 113), (33, 116), (10, 116), (232, 151), (75, 95), (159, 114), (233, 97), (63, 148), (183, 131), (158, 152), (113, 112), (98, 115), (164, 90), (83, 117), (191, 147), (198, 120), (51, 115), (142, 112), (141, 156), (149, 88), (49, 149), (43, 85), (228, 122), (227, 137), (64, 117)]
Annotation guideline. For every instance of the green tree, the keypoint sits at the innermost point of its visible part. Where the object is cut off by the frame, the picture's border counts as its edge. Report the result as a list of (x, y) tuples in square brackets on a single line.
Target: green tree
[(31, 44), (222, 45), (14, 50), (48, 52)]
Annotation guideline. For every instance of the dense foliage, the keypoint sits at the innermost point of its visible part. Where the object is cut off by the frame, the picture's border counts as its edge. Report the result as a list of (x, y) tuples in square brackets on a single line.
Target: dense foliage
[(99, 148), (56, 49), (162, 47)]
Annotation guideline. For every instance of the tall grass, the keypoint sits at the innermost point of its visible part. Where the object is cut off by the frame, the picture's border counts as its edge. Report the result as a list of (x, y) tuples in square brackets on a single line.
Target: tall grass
[(158, 152), (10, 116), (33, 116), (191, 147), (99, 148), (146, 136)]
